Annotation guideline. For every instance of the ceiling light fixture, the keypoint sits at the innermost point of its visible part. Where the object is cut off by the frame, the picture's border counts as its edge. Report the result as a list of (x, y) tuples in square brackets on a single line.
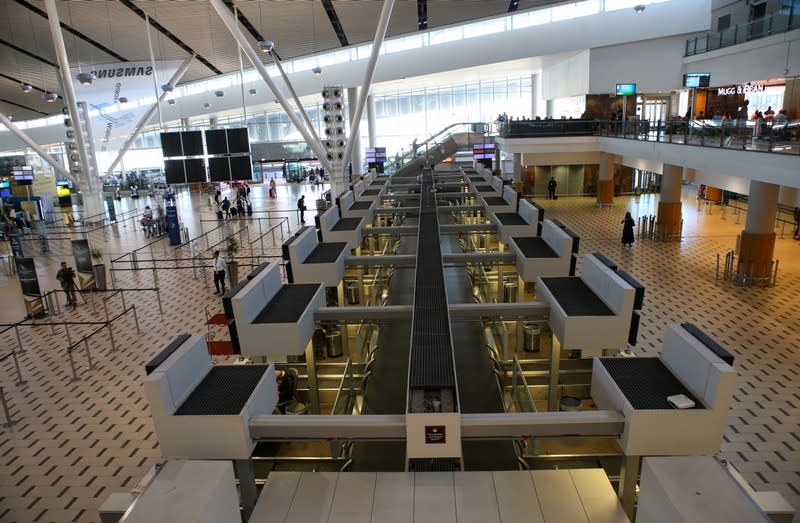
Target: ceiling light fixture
[(123, 100), (168, 87), (639, 8), (317, 70), (219, 94), (26, 88), (266, 46), (171, 102), (253, 91), (50, 97), (207, 105), (86, 78)]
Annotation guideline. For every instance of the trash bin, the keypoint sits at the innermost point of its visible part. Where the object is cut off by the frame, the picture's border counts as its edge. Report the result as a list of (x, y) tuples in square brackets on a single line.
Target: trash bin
[(533, 337), (567, 404), (510, 289), (351, 292), (333, 343)]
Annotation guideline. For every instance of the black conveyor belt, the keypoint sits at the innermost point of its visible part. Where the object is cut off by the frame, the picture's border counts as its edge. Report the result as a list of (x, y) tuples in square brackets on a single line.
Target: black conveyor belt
[(223, 392)]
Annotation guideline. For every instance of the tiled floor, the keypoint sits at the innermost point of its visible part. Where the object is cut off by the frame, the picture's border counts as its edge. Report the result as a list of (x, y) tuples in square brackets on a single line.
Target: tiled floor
[(76, 442)]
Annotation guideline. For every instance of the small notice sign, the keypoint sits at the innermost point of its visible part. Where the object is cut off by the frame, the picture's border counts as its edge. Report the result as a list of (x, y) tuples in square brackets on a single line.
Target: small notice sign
[(435, 434)]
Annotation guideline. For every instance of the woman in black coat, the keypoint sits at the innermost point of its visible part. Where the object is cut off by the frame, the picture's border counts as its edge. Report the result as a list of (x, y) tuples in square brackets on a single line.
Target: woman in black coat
[(627, 229)]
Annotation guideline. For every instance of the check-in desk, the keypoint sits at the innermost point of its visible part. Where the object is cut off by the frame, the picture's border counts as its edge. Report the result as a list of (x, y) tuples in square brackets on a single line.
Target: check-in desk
[(525, 222), (349, 207), (639, 388), (314, 262), (200, 410), (507, 202), (273, 319), (364, 193), (546, 255), (336, 229), (589, 313), (542, 496)]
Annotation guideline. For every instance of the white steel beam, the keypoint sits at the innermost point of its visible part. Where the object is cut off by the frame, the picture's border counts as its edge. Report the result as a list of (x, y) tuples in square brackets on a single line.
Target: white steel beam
[(69, 90), (380, 34), (19, 133), (253, 56), (149, 114), (296, 99)]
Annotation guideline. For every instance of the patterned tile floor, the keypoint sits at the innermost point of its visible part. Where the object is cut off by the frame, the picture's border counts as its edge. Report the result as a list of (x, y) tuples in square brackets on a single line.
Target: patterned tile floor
[(76, 442)]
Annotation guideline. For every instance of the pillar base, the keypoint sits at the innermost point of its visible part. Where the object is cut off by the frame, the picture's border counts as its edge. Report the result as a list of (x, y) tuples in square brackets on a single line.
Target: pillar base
[(713, 194), (755, 254), (669, 219), (605, 192)]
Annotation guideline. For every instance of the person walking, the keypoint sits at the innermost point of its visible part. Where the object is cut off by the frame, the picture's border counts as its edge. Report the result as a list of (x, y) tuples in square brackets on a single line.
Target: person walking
[(226, 207), (551, 189), (797, 223), (273, 189), (66, 275), (627, 229), (301, 205), (219, 273)]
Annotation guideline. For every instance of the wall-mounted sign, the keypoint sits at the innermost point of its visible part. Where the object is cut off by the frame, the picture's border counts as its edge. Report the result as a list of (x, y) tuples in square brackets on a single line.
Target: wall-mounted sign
[(696, 79), (435, 434), (626, 89), (26, 270), (735, 90)]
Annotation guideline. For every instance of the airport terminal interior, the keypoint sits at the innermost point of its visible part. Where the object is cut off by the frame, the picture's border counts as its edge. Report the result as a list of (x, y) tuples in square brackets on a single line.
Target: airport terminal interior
[(552, 275)]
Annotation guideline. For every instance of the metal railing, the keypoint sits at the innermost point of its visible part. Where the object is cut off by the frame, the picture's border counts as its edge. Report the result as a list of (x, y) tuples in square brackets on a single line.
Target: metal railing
[(746, 273), (775, 23), (649, 228), (434, 141)]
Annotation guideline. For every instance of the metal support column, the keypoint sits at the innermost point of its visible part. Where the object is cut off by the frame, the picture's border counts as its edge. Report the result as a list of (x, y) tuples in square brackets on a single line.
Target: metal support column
[(66, 81), (252, 55), (148, 115), (245, 472), (628, 476), (55, 164), (380, 33), (555, 368), (313, 385)]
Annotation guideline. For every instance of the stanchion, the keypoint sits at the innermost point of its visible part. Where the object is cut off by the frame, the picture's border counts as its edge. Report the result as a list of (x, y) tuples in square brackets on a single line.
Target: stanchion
[(158, 290), (75, 376), (122, 293), (9, 422), (716, 278), (94, 306), (58, 302), (19, 381), (88, 354), (136, 319), (111, 336), (21, 349)]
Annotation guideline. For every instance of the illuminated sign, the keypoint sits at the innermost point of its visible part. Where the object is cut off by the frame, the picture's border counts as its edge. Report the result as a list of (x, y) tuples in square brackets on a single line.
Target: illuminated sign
[(626, 89), (734, 90)]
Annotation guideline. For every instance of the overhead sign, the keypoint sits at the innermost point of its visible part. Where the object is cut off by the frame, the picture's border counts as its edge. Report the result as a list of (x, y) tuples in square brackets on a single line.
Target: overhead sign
[(112, 121), (626, 89), (696, 79), (739, 89)]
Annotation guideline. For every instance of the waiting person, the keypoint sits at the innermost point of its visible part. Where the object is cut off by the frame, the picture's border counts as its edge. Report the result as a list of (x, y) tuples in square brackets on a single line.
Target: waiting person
[(217, 196), (66, 275), (226, 207), (627, 229), (219, 273), (551, 189), (273, 189), (301, 205)]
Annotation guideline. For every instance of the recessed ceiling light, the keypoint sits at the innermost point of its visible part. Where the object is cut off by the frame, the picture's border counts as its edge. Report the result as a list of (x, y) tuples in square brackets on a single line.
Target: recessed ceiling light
[(171, 102), (50, 97), (26, 88), (639, 8), (219, 94), (206, 105), (317, 70), (253, 91), (168, 87), (123, 100), (266, 45), (86, 78)]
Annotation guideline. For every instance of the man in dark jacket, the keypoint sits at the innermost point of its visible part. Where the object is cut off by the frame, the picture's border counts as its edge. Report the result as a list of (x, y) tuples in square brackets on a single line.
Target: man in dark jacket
[(66, 275)]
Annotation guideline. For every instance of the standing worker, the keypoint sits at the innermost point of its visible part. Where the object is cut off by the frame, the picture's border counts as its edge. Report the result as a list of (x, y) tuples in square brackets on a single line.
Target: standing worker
[(551, 189), (219, 273), (301, 205), (66, 275)]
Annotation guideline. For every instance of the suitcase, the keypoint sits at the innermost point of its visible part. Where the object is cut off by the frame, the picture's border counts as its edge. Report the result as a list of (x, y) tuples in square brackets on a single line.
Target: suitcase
[(273, 193), (219, 215), (249, 210), (234, 211)]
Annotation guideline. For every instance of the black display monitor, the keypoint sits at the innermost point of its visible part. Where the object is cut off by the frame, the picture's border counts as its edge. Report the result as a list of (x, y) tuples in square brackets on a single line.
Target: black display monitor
[(238, 141), (217, 141), (219, 169), (23, 174), (241, 168), (693, 80), (171, 145), (174, 171), (192, 143), (195, 170)]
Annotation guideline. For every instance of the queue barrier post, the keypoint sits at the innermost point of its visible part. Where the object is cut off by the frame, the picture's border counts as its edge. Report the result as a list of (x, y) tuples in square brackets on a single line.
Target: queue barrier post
[(19, 381), (136, 319), (75, 376), (158, 290), (21, 349), (9, 422), (88, 354)]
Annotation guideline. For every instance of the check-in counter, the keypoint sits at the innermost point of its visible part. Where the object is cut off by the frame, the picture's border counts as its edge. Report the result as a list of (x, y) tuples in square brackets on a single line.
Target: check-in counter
[(315, 262), (336, 229)]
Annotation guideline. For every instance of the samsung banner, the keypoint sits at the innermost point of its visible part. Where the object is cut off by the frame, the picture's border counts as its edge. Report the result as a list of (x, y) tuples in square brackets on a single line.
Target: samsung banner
[(112, 121)]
